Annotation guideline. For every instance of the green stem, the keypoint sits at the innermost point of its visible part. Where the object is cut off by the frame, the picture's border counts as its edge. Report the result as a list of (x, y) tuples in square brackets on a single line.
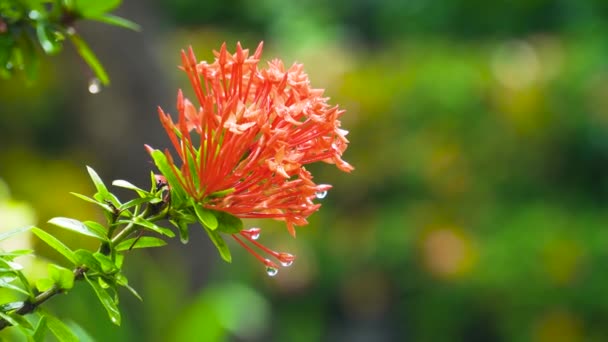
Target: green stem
[(30, 305)]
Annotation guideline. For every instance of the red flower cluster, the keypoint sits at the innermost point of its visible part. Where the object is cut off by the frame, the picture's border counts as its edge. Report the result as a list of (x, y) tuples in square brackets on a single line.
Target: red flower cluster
[(250, 136)]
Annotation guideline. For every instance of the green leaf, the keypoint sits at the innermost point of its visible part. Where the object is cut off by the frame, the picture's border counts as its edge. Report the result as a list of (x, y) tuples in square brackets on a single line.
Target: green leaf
[(55, 244), (122, 281), (117, 21), (44, 284), (89, 57), (184, 234), (102, 190), (134, 202), (127, 185), (106, 300), (6, 282), (10, 306), (228, 223), (92, 8), (61, 331), (107, 265), (63, 277), (9, 319), (10, 233), (93, 229), (92, 200), (219, 242), (161, 162), (40, 330), (47, 38), (154, 227), (86, 258), (141, 242), (97, 229), (205, 216)]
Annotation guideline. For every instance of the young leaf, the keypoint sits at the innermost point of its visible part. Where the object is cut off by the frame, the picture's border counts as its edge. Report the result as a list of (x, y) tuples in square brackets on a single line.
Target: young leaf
[(61, 276), (79, 227), (44, 284), (6, 282), (154, 227), (106, 300), (40, 330), (61, 331), (122, 281), (134, 202), (47, 39), (10, 233), (99, 185), (55, 244), (86, 258), (107, 265), (127, 185), (205, 216), (141, 242), (228, 223), (184, 234), (92, 200), (177, 193), (219, 242)]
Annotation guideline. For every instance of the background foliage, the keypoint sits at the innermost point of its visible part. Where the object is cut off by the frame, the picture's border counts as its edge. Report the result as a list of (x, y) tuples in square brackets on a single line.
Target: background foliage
[(476, 212)]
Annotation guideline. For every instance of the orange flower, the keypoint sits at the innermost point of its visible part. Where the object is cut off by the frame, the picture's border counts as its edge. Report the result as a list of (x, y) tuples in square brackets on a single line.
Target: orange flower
[(250, 136)]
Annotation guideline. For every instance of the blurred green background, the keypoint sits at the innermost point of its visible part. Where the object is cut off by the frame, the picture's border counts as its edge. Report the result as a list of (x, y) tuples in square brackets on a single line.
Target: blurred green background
[(477, 210)]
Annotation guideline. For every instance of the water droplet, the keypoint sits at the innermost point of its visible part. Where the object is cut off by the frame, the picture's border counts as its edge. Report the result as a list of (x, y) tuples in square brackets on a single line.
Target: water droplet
[(271, 271), (286, 259), (94, 85), (254, 233), (114, 320), (321, 194)]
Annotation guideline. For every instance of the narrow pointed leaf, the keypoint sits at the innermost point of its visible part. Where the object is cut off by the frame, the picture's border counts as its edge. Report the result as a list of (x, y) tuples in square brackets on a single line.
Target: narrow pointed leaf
[(221, 245), (127, 185), (89, 57), (94, 201), (106, 300), (161, 162), (141, 242), (10, 233), (54, 243), (41, 329), (79, 227), (154, 227), (117, 21), (62, 332)]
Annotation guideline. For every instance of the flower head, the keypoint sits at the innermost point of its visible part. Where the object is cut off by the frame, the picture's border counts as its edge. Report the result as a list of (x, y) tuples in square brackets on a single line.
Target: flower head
[(243, 148)]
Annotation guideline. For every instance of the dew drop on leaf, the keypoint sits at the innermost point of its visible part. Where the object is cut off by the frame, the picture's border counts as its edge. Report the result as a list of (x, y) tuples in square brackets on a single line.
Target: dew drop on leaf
[(94, 85)]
